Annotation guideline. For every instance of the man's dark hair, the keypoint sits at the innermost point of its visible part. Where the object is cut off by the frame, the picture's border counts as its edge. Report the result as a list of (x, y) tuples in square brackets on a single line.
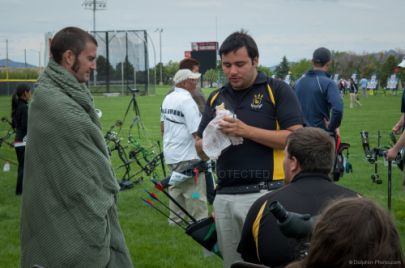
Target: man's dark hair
[(188, 63), (313, 148), (70, 38), (238, 40)]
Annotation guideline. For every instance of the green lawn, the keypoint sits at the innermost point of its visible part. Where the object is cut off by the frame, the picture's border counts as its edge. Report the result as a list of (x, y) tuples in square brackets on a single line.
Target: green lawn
[(151, 241)]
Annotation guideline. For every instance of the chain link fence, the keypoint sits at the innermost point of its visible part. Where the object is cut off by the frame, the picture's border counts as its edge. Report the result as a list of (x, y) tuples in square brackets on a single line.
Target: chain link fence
[(122, 63)]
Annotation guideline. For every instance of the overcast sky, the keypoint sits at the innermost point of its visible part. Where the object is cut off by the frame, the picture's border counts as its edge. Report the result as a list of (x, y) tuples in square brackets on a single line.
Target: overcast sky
[(293, 28)]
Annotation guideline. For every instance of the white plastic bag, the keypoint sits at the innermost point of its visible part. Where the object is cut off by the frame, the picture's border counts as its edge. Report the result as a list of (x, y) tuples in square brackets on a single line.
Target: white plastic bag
[(6, 167), (177, 178), (214, 140)]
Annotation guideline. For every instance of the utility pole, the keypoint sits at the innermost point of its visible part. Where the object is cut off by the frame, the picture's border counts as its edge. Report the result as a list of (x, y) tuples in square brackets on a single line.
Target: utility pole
[(160, 30), (6, 52), (25, 58), (6, 58)]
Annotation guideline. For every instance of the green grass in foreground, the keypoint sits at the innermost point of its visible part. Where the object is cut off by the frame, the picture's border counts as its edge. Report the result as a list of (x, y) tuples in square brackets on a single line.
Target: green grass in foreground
[(151, 241)]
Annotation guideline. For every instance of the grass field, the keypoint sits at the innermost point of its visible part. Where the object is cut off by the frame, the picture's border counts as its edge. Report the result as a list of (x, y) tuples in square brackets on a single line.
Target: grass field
[(151, 241)]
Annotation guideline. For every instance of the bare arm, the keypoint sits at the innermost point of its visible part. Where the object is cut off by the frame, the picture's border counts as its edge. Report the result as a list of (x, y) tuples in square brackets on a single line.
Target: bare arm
[(393, 152), (397, 127), (199, 149), (271, 138)]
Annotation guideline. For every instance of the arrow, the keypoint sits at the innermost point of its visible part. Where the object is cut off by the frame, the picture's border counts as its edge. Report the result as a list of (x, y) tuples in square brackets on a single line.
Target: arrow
[(149, 203), (159, 186), (154, 196)]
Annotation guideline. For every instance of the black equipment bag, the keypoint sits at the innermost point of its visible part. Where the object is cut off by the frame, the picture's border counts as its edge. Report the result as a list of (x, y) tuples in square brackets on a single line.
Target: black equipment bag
[(204, 232)]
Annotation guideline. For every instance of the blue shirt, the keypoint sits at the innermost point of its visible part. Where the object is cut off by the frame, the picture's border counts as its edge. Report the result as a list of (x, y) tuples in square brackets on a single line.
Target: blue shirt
[(320, 100), (363, 83)]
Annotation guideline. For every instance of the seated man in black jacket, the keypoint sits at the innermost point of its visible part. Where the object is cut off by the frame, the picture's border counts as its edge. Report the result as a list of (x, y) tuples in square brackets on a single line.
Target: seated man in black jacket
[(308, 159)]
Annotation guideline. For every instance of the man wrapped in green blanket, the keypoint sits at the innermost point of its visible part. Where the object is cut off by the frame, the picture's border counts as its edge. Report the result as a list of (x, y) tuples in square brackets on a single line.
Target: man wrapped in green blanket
[(68, 214)]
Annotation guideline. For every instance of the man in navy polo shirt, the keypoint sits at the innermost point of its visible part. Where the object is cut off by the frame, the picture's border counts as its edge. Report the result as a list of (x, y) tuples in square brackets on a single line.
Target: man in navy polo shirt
[(319, 96), (267, 111)]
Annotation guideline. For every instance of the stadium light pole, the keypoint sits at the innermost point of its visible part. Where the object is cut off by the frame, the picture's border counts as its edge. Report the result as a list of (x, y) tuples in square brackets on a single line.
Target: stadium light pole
[(94, 5), (25, 58), (160, 30)]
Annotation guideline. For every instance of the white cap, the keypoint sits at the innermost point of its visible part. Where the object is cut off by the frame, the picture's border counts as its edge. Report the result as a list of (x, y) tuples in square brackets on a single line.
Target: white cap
[(402, 64), (184, 74)]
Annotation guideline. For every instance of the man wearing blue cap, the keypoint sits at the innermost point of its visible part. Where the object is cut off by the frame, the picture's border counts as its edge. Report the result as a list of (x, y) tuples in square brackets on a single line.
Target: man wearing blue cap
[(318, 95)]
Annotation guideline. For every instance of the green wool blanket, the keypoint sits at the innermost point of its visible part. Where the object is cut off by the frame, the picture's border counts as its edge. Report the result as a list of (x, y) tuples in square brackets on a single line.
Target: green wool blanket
[(68, 214)]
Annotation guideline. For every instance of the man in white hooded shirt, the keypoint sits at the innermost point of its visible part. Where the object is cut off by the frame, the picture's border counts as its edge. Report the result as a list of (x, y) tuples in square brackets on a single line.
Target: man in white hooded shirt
[(181, 118)]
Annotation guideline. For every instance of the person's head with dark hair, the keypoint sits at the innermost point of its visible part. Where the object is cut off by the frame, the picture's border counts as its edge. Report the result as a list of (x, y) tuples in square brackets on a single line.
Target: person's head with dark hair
[(70, 38), (191, 64), (23, 93), (321, 57), (238, 40), (240, 58), (308, 149), (75, 49), (354, 229)]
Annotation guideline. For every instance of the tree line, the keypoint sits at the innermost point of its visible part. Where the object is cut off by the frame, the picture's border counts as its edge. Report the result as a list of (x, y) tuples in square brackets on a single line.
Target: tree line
[(382, 64)]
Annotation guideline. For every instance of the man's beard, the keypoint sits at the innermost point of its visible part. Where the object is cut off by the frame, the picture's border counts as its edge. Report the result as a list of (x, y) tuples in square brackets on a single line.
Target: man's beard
[(76, 66)]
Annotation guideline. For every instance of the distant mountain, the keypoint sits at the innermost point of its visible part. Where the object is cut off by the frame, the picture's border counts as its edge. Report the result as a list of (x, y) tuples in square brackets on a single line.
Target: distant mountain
[(15, 64)]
